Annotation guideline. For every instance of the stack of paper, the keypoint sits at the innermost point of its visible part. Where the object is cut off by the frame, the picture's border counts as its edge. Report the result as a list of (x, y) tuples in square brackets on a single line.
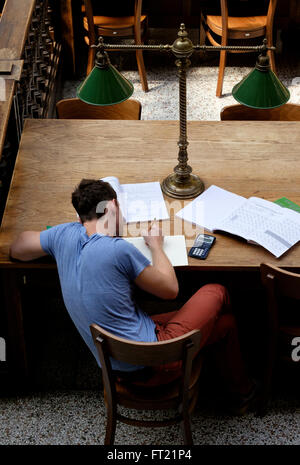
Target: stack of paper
[(139, 202)]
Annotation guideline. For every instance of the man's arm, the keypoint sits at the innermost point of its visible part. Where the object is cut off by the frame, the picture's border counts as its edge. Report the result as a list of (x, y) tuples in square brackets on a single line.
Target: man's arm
[(160, 278), (27, 246)]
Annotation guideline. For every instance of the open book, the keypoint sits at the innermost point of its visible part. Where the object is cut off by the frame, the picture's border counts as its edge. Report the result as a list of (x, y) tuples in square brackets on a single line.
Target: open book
[(257, 220), (139, 202), (174, 247)]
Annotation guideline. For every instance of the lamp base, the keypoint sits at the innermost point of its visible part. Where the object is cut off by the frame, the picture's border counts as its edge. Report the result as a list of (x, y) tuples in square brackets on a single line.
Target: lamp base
[(179, 188)]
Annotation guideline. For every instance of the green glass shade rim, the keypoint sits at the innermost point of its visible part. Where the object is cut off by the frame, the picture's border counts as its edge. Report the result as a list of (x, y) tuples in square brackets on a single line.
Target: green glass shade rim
[(259, 107), (104, 104), (123, 95), (277, 86)]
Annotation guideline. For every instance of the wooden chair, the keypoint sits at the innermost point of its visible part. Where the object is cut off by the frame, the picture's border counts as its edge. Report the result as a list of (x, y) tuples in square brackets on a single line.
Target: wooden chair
[(74, 108), (243, 28), (181, 392), (287, 112), (278, 284), (122, 26)]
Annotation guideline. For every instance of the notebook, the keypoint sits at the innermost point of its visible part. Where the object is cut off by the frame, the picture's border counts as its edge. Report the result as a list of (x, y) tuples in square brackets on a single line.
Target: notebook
[(141, 201), (257, 220), (174, 247)]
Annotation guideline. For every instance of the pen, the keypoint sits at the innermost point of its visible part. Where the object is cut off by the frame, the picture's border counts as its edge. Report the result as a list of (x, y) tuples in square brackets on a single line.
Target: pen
[(152, 223)]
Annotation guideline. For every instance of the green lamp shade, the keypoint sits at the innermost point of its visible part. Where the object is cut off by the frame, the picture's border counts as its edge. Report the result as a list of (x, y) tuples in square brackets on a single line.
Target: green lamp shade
[(261, 89), (105, 86)]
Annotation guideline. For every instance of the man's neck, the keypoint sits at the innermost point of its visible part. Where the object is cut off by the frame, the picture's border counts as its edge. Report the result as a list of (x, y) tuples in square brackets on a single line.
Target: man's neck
[(97, 226), (90, 227)]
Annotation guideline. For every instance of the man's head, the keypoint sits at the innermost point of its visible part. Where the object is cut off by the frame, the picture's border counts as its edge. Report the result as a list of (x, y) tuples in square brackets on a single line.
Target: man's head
[(94, 198)]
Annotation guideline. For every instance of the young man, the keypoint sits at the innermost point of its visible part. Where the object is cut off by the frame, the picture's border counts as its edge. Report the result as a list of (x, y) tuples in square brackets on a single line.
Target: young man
[(97, 269)]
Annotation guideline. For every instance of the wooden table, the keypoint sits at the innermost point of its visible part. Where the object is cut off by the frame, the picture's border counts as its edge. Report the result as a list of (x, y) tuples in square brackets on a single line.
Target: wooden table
[(248, 158)]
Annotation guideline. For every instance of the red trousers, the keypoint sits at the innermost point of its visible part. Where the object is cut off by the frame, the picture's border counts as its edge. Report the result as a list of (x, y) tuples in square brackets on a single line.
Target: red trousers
[(209, 310)]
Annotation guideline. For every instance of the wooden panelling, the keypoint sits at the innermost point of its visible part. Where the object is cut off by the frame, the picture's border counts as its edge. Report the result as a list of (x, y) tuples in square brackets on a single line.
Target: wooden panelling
[(14, 26), (26, 37)]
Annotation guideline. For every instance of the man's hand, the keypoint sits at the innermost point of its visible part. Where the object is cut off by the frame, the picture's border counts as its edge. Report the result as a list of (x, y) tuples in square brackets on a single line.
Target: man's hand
[(160, 278), (153, 237)]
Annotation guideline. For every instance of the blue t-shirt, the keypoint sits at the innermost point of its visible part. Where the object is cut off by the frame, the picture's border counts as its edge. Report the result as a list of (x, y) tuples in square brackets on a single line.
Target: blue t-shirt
[(96, 274)]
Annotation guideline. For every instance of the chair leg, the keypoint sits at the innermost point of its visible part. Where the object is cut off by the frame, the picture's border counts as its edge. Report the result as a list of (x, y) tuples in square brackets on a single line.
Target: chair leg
[(272, 60), (186, 427), (142, 71), (202, 33), (222, 65), (111, 423), (266, 387), (91, 60), (139, 57)]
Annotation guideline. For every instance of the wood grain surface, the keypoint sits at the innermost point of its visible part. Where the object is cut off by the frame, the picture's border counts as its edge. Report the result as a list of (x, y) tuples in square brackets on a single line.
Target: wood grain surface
[(249, 158)]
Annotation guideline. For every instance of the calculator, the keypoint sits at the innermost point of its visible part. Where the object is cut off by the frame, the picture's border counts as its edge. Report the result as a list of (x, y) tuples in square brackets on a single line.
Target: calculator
[(201, 246)]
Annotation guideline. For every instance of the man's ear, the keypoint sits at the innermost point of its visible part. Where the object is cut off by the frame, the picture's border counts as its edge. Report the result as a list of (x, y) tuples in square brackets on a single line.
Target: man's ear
[(115, 204)]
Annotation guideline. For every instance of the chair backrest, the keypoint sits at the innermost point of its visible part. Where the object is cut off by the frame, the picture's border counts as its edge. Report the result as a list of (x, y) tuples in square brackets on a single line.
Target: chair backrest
[(251, 11), (90, 20), (280, 281), (271, 14), (144, 353), (89, 12), (277, 283), (287, 112), (74, 108), (225, 14), (181, 392)]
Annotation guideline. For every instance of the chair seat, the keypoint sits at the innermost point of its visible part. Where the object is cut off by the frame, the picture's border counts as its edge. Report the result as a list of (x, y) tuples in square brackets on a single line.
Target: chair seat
[(111, 26), (239, 27)]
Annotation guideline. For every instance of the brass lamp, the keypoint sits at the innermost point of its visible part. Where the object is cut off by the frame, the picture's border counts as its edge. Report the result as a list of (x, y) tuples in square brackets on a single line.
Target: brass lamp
[(106, 86)]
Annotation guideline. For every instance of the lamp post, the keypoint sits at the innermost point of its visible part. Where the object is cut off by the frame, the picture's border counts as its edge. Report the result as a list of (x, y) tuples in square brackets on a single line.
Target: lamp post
[(106, 86)]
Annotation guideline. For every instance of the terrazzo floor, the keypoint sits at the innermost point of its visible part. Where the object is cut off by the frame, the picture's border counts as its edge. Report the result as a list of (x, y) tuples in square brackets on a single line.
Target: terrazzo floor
[(66, 406), (64, 416), (78, 418)]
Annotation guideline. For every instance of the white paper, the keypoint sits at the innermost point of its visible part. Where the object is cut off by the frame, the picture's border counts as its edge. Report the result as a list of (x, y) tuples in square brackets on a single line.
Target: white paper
[(257, 220), (144, 202), (210, 207), (114, 182), (141, 201), (265, 223), (174, 247)]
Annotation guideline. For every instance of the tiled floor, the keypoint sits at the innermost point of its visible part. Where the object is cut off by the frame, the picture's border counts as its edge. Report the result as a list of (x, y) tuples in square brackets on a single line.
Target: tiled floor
[(78, 417)]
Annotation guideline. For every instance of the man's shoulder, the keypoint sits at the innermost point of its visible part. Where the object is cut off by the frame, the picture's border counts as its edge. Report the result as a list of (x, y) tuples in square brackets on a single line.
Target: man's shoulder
[(121, 244), (75, 225), (61, 230)]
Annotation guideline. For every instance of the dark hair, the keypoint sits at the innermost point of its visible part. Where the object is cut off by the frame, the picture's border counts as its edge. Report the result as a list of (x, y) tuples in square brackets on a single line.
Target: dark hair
[(88, 194)]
